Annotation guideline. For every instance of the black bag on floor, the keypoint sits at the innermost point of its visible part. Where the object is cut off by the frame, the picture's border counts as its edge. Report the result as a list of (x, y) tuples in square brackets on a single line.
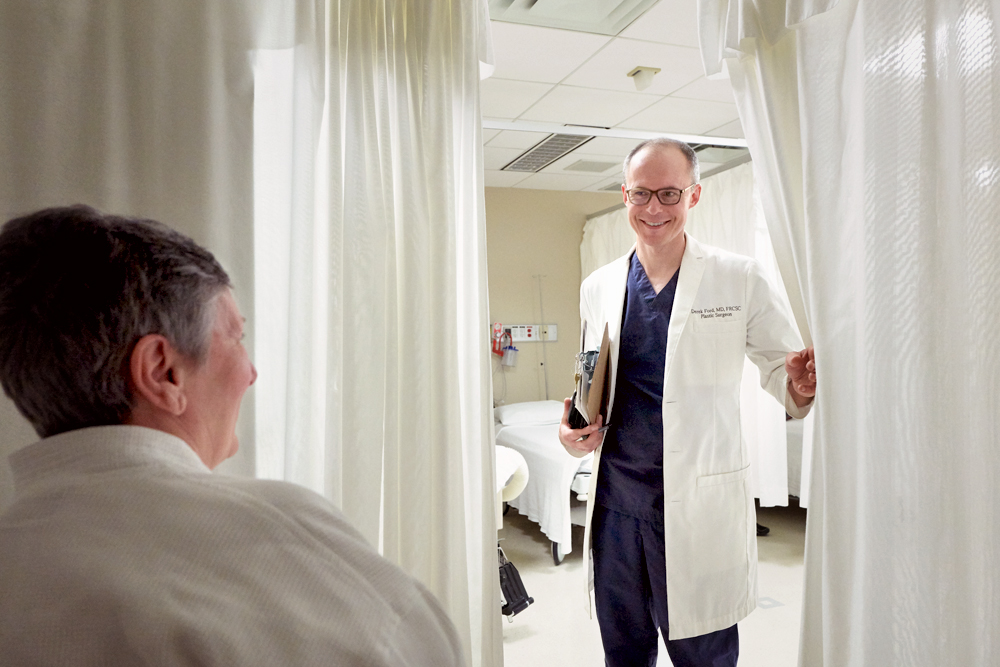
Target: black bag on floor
[(515, 598)]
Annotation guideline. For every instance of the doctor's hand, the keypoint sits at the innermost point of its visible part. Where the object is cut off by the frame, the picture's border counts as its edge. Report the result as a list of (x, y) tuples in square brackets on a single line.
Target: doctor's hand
[(801, 369), (579, 441)]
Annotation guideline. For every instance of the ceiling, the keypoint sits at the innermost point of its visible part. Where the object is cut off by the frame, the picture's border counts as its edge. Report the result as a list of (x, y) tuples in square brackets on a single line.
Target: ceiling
[(547, 78)]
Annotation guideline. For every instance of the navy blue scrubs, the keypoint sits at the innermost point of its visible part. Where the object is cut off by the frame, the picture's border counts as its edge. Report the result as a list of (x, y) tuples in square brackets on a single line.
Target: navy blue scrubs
[(630, 584)]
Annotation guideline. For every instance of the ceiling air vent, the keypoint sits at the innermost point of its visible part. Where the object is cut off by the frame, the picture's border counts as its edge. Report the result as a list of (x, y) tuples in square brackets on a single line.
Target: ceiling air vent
[(546, 152), (590, 166), (611, 187)]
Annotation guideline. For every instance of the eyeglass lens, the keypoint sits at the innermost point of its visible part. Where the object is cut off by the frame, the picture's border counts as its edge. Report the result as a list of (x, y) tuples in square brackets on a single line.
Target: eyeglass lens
[(667, 196)]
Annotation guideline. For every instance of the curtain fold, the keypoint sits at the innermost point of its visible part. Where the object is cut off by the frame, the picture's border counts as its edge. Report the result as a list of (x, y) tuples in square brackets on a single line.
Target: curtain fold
[(371, 229), (138, 111), (874, 129), (329, 153)]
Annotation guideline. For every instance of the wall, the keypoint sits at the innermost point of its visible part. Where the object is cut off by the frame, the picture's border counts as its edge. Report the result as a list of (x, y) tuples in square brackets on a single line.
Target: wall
[(534, 233)]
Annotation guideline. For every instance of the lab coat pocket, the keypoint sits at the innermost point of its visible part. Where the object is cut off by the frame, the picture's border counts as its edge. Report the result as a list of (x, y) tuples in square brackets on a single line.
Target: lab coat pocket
[(724, 478), (718, 544)]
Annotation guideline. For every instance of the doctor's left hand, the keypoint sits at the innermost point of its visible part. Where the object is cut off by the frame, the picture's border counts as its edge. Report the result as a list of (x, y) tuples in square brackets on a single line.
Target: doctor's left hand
[(801, 369)]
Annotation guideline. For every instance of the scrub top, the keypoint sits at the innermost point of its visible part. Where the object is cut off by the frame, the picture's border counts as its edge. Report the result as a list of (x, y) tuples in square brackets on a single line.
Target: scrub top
[(630, 479)]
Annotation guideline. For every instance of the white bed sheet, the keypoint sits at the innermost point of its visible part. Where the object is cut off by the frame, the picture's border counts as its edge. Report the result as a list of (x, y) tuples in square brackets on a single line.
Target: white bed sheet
[(546, 496)]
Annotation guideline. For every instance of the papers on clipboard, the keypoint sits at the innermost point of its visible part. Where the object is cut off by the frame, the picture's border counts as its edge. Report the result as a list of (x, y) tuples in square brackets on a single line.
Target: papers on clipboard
[(593, 379)]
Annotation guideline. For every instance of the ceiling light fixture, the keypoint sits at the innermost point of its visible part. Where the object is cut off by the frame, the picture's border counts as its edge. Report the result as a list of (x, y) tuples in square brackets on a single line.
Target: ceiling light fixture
[(643, 76)]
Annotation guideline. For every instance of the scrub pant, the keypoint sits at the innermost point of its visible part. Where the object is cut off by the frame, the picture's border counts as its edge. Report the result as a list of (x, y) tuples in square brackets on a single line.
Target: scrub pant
[(630, 591)]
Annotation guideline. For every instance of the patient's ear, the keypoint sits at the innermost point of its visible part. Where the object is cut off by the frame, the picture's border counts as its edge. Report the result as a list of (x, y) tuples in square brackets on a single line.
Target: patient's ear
[(156, 374)]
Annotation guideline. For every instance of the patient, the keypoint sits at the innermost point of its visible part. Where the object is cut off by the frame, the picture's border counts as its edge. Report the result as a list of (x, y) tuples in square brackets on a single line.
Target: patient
[(120, 343)]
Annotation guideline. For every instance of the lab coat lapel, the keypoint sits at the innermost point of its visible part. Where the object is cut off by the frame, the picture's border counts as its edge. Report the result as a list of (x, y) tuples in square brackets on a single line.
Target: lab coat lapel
[(692, 268), (617, 284), (615, 287)]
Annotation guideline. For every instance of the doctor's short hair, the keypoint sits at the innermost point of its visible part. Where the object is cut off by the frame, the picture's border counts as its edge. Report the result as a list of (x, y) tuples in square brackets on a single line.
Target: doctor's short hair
[(78, 289), (664, 142)]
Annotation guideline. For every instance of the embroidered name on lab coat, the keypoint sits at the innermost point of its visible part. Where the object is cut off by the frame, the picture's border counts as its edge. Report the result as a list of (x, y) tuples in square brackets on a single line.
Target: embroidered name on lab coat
[(718, 312)]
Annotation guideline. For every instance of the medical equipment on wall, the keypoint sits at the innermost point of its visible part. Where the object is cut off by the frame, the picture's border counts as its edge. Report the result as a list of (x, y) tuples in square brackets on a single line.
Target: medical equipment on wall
[(509, 355), (497, 338)]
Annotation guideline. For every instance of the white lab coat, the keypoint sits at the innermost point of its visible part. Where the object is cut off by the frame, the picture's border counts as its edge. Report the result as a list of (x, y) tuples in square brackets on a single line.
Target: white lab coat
[(723, 309)]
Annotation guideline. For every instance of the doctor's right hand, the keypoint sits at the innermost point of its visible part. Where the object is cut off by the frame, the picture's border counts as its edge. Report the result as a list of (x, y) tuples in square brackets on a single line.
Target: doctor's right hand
[(580, 441)]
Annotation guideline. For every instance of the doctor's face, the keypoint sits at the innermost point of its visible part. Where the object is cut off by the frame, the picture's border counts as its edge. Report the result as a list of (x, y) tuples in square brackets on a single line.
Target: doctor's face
[(656, 225)]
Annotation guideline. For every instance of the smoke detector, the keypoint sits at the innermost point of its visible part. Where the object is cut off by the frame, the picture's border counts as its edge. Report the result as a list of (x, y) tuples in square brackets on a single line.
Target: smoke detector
[(643, 76)]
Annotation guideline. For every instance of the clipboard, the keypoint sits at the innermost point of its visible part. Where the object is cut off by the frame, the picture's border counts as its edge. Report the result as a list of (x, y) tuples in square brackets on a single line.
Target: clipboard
[(593, 381)]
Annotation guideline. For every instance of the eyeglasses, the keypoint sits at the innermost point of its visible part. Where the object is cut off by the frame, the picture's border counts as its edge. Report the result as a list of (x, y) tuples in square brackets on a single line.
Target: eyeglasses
[(667, 196)]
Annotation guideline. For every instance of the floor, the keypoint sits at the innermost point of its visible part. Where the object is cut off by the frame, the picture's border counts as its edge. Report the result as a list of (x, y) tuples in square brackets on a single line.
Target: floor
[(556, 630)]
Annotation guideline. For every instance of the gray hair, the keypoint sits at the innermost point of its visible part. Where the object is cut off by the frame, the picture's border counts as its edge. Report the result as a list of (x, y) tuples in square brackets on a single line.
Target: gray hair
[(78, 289), (665, 142)]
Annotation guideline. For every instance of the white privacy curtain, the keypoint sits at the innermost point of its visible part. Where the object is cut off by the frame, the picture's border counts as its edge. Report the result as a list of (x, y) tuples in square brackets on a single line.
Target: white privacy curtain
[(729, 217), (874, 127), (357, 248), (606, 237), (138, 112), (371, 289)]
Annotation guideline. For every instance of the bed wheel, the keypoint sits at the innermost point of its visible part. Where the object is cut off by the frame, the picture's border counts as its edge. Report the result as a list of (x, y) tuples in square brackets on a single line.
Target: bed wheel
[(557, 553)]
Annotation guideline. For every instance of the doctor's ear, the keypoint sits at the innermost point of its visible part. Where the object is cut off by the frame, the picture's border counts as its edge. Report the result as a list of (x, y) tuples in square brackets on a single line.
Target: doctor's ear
[(695, 195), (156, 372)]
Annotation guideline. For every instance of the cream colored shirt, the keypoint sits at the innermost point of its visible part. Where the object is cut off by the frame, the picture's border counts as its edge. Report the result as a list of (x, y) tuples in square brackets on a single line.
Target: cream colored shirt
[(121, 547)]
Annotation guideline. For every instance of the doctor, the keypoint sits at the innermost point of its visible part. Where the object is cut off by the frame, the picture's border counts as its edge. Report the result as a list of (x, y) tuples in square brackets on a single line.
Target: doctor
[(671, 519)]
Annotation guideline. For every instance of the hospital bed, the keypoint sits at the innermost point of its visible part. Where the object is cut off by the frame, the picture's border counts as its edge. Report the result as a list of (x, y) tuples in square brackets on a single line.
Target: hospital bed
[(555, 478)]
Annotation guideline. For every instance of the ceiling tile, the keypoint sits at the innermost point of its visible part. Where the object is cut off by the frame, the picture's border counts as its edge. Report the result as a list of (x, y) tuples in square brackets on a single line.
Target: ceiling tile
[(608, 146), (667, 22), (497, 158), (680, 116), (489, 134), (548, 55), (516, 139), (587, 106), (721, 155), (503, 98), (609, 68), (560, 165), (733, 130), (602, 185), (715, 90), (543, 181), (504, 179), (707, 166)]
